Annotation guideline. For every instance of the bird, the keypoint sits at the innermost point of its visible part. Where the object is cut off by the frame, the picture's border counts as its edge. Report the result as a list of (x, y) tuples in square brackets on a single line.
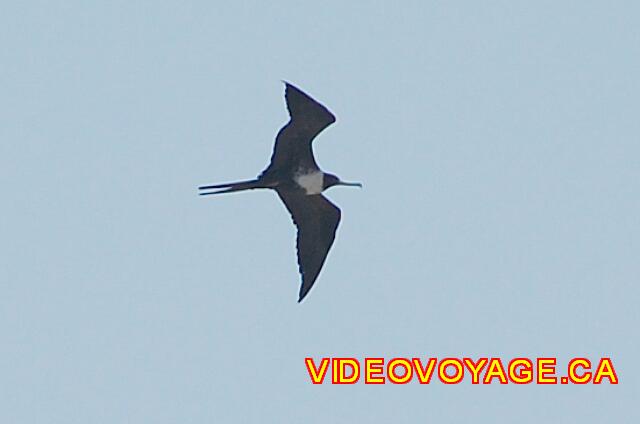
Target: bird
[(299, 182)]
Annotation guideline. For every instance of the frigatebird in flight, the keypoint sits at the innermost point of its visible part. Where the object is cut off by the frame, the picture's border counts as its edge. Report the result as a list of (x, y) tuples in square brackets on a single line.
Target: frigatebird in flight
[(294, 174)]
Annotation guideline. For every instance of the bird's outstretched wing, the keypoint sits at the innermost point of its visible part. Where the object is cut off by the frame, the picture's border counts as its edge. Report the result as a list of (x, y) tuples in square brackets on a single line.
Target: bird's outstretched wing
[(317, 220), (293, 143)]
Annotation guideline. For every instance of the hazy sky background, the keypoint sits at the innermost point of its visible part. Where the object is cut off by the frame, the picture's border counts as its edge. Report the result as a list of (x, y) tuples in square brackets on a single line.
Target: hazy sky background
[(498, 143)]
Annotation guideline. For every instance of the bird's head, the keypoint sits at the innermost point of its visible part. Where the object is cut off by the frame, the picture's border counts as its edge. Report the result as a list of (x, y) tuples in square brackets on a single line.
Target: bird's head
[(331, 180)]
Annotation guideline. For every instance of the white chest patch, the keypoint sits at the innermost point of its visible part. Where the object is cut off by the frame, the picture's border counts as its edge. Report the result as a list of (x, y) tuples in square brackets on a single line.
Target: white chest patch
[(312, 183)]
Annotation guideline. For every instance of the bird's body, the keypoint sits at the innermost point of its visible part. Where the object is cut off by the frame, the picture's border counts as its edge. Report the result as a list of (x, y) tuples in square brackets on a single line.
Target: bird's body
[(294, 174)]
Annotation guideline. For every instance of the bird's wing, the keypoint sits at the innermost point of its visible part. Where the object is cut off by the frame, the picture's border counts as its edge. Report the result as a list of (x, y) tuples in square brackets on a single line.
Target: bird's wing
[(293, 143), (317, 220)]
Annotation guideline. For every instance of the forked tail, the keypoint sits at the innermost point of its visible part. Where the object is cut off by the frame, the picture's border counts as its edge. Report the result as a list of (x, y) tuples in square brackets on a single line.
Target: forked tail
[(231, 187)]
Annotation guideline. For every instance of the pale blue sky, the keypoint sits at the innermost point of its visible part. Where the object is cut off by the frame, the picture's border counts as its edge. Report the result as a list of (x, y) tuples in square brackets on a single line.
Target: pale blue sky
[(498, 144)]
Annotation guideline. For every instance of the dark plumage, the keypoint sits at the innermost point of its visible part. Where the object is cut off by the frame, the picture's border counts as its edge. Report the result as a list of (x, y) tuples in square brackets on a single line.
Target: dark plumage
[(294, 174)]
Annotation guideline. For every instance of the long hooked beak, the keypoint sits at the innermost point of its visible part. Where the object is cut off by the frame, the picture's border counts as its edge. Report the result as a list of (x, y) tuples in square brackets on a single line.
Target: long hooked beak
[(343, 183)]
